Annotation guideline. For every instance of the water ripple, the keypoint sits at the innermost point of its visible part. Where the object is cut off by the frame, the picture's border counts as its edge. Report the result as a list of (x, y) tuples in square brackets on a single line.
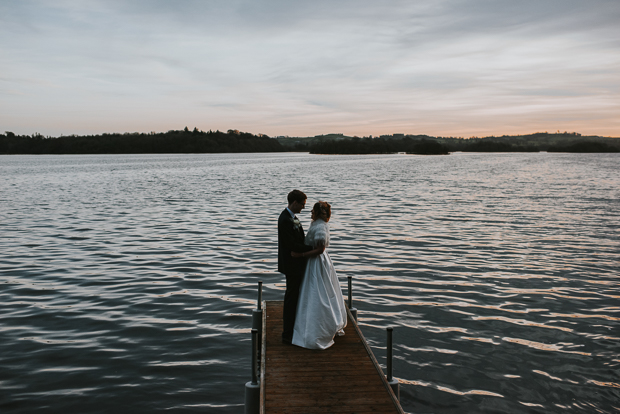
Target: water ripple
[(127, 281)]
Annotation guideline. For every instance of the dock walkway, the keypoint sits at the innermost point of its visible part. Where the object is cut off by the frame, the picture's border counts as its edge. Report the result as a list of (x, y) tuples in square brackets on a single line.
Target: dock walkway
[(345, 378)]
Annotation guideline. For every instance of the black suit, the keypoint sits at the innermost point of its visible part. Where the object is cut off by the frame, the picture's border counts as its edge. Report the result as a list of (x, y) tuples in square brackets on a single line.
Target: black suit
[(290, 239)]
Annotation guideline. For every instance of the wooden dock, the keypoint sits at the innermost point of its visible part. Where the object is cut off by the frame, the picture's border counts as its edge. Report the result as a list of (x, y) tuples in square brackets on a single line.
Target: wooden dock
[(345, 378)]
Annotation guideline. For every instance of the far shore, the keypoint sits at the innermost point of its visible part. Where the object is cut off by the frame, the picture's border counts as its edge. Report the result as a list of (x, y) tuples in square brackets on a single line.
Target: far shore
[(233, 141)]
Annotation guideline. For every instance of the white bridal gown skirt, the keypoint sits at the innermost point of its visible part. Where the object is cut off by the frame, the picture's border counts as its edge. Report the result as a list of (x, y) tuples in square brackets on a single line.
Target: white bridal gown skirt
[(321, 312)]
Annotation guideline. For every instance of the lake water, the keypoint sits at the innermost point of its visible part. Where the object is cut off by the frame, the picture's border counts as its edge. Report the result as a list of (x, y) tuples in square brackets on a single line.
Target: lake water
[(127, 281)]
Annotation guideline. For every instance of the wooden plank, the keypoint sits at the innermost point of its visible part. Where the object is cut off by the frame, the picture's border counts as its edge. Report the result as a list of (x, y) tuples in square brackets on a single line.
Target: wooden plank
[(345, 378), (317, 383), (369, 408)]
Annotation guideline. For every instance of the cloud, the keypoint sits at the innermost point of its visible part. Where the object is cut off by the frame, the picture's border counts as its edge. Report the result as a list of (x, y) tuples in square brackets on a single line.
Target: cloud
[(446, 67)]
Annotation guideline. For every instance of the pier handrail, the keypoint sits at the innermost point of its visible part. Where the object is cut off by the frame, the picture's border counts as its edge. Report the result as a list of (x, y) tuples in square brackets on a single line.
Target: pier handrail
[(389, 353), (263, 350), (254, 357), (386, 384), (350, 303)]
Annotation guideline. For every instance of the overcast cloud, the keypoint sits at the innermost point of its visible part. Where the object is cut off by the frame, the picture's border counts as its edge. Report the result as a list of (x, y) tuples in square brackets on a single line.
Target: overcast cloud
[(441, 67)]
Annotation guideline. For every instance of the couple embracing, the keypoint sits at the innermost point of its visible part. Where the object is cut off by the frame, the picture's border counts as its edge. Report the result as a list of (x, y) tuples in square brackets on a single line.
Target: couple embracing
[(314, 311)]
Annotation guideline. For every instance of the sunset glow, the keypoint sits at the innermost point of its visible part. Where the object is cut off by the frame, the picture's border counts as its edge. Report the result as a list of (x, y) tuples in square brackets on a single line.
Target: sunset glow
[(442, 68)]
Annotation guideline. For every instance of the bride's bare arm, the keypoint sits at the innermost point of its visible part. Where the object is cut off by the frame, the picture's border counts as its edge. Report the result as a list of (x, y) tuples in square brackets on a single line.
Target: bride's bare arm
[(312, 253)]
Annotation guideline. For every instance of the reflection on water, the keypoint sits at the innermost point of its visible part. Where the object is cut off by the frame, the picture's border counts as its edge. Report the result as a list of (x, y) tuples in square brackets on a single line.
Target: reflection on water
[(127, 282)]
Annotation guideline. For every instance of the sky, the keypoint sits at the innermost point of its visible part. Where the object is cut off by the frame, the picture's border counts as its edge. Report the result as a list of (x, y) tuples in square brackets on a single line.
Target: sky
[(305, 68)]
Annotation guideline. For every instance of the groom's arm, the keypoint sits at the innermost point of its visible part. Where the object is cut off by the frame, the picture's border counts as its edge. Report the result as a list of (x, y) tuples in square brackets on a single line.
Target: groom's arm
[(311, 253)]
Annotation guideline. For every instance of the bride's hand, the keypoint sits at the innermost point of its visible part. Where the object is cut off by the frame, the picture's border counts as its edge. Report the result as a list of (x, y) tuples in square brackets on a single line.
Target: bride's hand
[(295, 254)]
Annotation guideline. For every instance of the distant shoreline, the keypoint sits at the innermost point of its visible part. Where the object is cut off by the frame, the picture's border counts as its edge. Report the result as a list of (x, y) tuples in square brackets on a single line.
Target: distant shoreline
[(215, 142)]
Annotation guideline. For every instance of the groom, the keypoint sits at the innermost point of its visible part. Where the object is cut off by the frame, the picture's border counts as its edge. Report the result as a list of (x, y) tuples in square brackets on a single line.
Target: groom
[(291, 239)]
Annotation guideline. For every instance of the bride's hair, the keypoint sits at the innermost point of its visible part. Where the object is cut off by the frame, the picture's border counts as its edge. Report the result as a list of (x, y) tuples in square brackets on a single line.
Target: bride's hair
[(321, 210)]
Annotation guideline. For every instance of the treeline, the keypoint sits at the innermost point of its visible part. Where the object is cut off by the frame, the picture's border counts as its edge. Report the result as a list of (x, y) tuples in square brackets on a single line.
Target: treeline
[(423, 144), (378, 146), (196, 141), (174, 141), (494, 146), (541, 141)]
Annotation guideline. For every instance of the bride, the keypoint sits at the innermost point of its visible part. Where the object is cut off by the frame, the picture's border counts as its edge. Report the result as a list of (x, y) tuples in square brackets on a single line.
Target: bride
[(321, 313)]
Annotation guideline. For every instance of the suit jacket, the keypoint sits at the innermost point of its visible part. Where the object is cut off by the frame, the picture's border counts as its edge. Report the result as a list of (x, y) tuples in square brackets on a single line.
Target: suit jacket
[(291, 239)]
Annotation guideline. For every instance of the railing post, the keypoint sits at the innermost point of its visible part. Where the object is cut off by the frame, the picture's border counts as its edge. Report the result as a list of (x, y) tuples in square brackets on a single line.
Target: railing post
[(394, 384), (257, 320), (351, 308), (254, 359), (260, 295), (252, 388)]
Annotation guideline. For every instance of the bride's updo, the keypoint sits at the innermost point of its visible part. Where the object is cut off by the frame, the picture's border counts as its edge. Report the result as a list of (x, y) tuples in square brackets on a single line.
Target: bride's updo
[(321, 210)]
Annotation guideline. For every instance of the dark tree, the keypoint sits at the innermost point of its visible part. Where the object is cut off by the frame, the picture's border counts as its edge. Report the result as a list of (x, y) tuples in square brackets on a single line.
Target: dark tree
[(172, 141)]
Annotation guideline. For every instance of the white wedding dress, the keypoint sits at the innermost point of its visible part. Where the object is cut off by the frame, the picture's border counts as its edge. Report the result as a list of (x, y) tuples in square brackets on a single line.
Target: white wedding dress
[(321, 312)]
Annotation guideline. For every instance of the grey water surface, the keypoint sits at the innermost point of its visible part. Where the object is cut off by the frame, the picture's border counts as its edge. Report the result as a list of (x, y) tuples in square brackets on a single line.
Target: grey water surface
[(127, 281)]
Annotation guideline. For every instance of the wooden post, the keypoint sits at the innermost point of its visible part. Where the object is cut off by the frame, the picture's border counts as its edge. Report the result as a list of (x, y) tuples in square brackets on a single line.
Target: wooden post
[(252, 388), (394, 384), (351, 308), (260, 295), (257, 319)]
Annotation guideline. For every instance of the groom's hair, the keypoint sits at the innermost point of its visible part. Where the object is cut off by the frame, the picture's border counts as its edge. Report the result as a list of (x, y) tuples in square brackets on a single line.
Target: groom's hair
[(296, 195)]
